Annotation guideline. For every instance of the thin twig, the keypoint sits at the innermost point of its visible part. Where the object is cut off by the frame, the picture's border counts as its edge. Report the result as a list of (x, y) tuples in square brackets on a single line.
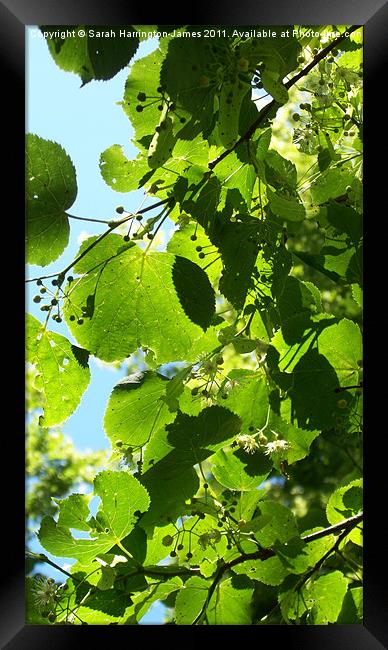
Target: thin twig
[(113, 226)]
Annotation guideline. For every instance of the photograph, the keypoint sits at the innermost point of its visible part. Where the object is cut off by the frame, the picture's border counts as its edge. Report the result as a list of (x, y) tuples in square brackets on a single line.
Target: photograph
[(194, 298)]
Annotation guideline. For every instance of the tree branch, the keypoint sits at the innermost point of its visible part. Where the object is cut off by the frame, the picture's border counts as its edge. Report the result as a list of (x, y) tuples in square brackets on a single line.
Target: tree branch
[(266, 109), (265, 553), (40, 557), (113, 225)]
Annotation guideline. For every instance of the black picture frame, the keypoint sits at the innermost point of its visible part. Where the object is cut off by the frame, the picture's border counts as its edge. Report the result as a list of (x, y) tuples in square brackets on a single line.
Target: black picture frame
[(373, 15)]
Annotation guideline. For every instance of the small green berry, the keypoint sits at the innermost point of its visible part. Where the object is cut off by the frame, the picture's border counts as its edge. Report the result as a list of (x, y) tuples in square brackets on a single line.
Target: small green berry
[(193, 237), (120, 209), (37, 298), (139, 108), (296, 117), (80, 321), (142, 97), (39, 283), (189, 555), (173, 554), (72, 317), (54, 301), (201, 256), (180, 547)]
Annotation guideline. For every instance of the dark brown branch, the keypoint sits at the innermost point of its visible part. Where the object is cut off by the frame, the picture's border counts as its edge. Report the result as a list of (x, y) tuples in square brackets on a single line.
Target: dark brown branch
[(40, 557), (267, 109), (264, 553)]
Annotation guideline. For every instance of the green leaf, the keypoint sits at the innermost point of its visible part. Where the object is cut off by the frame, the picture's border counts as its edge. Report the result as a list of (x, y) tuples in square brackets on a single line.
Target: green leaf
[(248, 398), (51, 189), (74, 511), (144, 78), (297, 556), (184, 443), (100, 607), (357, 294), (194, 291), (121, 497), (138, 288), (352, 608), (181, 244), (331, 184), (62, 371), (190, 600), (238, 470), (237, 179), (324, 159), (237, 243), (121, 174), (285, 208), (163, 141), (341, 344), (274, 86), (325, 596), (188, 76), (345, 502), (135, 411), (175, 388), (299, 439), (231, 603), (280, 172), (270, 571), (203, 209), (143, 600), (282, 526), (91, 51), (168, 494), (211, 429), (296, 297)]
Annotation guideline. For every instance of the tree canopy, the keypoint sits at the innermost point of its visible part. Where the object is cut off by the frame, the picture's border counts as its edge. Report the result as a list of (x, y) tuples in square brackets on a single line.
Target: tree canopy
[(233, 490)]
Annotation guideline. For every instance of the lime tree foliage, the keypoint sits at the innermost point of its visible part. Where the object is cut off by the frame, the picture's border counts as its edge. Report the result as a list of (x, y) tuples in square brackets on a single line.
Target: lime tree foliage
[(233, 493)]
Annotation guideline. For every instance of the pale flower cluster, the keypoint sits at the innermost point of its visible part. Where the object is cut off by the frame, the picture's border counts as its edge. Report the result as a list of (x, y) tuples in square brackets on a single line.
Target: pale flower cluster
[(277, 447), (274, 448)]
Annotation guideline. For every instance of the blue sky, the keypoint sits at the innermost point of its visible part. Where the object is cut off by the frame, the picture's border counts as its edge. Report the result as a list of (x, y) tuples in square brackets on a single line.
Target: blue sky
[(84, 121)]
